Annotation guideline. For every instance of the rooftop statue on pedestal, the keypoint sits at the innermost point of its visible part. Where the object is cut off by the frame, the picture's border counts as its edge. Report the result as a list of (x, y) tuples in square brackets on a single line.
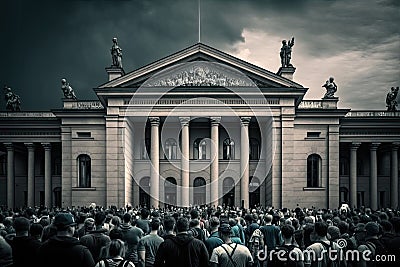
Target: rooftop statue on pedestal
[(116, 54), (331, 88), (391, 97), (13, 102), (286, 53), (67, 90)]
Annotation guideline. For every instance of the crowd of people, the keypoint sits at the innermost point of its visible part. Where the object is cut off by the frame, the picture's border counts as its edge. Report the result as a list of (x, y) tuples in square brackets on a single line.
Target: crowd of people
[(199, 236)]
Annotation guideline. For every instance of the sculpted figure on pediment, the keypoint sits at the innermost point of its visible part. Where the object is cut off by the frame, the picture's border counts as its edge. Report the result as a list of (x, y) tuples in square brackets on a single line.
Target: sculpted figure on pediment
[(391, 99), (13, 101)]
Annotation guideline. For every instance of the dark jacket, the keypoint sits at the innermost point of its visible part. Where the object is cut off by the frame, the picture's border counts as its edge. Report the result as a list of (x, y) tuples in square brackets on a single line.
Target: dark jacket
[(95, 241), (64, 251), (182, 250), (24, 250)]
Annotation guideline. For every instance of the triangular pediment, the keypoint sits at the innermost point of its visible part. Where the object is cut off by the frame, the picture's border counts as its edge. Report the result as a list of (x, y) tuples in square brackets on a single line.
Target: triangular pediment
[(199, 65)]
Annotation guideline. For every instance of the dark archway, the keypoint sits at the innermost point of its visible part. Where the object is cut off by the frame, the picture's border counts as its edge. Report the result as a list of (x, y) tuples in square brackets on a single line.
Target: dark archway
[(228, 189), (144, 189), (170, 191), (199, 191), (254, 191)]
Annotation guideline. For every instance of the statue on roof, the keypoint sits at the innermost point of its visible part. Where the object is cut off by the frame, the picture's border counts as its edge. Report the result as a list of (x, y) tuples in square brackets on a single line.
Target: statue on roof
[(67, 90), (391, 99), (13, 101), (330, 87), (116, 54), (286, 53)]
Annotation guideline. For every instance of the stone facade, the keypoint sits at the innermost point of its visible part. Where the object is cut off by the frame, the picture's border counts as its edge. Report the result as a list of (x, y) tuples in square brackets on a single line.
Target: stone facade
[(200, 127)]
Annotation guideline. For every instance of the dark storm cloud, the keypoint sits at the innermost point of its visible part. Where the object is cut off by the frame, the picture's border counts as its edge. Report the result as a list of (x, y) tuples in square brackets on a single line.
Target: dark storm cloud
[(44, 41)]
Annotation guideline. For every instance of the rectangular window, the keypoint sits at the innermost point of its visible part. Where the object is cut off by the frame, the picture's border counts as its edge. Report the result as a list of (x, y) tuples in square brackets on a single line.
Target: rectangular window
[(3, 165), (382, 203), (360, 198), (313, 134), (84, 134), (41, 198)]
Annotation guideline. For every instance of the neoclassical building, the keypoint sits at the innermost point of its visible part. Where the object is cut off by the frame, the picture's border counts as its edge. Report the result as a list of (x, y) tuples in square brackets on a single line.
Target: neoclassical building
[(200, 127)]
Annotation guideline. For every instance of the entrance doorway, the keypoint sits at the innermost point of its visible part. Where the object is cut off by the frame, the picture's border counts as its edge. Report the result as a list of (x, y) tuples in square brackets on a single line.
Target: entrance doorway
[(170, 191), (144, 189), (228, 190), (254, 189), (199, 191)]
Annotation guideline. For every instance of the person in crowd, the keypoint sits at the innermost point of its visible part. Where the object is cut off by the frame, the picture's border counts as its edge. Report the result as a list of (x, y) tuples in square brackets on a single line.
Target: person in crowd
[(36, 231), (64, 250), (97, 238), (272, 235), (6, 258), (116, 254), (131, 236), (214, 239), (387, 233), (169, 227), (144, 222), (394, 244), (289, 253), (195, 230), (235, 235), (24, 247), (115, 222), (148, 245), (87, 227), (372, 244), (182, 250), (229, 253)]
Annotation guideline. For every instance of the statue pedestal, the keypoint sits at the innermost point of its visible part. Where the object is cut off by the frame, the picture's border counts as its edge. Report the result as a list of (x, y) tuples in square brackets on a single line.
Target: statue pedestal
[(114, 72), (286, 72), (330, 103)]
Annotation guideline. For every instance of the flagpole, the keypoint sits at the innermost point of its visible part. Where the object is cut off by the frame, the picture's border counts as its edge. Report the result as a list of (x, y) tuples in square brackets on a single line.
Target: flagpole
[(199, 20)]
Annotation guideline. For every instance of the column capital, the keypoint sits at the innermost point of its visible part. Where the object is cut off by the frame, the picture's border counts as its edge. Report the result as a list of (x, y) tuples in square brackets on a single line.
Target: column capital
[(155, 121), (30, 146), (245, 121), (9, 146), (395, 146), (374, 146), (184, 121), (46, 146), (215, 121), (354, 146)]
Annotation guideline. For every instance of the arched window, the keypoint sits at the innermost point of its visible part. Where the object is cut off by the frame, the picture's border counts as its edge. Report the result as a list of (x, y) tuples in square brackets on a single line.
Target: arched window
[(254, 191), (3, 165), (200, 148), (228, 149), (146, 145), (199, 191), (84, 171), (314, 170), (170, 148), (254, 149)]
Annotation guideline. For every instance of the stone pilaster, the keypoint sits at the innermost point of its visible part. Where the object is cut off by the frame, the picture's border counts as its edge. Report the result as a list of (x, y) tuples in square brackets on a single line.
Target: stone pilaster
[(244, 161), (31, 174), (394, 177), (185, 161), (155, 163), (214, 159), (10, 175), (353, 174), (47, 175), (373, 181)]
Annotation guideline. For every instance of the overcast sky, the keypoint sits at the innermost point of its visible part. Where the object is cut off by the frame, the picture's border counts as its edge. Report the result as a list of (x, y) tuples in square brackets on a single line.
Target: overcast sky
[(355, 41)]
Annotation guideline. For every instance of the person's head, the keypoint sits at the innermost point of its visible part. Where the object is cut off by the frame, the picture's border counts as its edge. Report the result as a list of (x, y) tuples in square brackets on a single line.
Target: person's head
[(169, 223), (63, 81), (334, 232), (396, 224), (99, 218), (117, 248), (89, 224), (115, 234), (194, 214), (65, 223), (321, 228), (155, 224), (372, 229), (386, 226), (114, 40), (36, 230), (21, 226), (284, 42), (225, 231), (359, 231), (144, 213), (116, 221), (331, 79), (182, 225), (127, 218), (214, 223), (268, 219), (287, 231), (343, 227)]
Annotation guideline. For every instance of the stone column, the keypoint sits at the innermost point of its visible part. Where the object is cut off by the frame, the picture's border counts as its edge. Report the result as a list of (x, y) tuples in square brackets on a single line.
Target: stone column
[(244, 161), (185, 161), (155, 162), (10, 175), (394, 177), (31, 174), (47, 175), (353, 174), (214, 160), (373, 182)]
